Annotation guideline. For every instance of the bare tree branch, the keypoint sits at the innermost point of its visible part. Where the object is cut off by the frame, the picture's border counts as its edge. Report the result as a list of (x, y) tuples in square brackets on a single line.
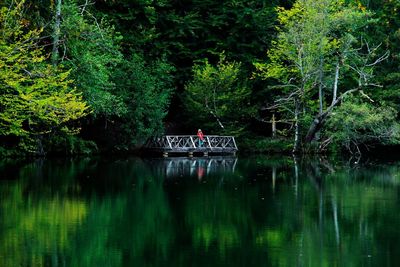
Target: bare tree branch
[(366, 96), (379, 60), (83, 7)]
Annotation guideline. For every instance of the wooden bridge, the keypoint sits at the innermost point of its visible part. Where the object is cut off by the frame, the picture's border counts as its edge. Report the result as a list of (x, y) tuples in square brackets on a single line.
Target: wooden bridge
[(190, 144)]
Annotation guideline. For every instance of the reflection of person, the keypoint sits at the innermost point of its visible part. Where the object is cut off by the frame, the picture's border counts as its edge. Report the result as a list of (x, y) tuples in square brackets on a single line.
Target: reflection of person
[(200, 173), (201, 137)]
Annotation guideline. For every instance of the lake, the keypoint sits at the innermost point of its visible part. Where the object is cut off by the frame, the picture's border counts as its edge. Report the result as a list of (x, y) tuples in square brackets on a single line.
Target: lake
[(216, 211)]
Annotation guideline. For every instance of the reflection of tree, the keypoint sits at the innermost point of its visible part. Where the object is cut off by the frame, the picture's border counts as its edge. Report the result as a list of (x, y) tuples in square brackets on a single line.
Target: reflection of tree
[(220, 218), (292, 212), (47, 222), (143, 229), (213, 219), (134, 224), (33, 230), (340, 215), (333, 215)]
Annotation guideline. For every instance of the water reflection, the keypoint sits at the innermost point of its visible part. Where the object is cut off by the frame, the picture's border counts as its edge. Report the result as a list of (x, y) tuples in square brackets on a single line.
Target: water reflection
[(199, 212)]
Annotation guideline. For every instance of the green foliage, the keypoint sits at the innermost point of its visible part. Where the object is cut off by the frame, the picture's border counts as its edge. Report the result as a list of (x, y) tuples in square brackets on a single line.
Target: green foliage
[(310, 32), (317, 57), (212, 98), (72, 212), (259, 144), (357, 123), (386, 29), (194, 29), (71, 145), (131, 95), (36, 99), (120, 56), (145, 89), (7, 152), (92, 52)]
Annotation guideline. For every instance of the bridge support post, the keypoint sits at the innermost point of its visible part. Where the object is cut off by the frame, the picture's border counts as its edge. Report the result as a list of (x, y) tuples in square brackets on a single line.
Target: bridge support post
[(165, 154)]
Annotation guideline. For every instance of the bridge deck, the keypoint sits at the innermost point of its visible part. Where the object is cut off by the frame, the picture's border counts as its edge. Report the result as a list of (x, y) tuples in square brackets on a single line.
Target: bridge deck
[(191, 144)]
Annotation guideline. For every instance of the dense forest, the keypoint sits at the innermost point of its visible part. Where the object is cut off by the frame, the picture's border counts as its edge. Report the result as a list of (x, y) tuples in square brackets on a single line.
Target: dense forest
[(89, 76)]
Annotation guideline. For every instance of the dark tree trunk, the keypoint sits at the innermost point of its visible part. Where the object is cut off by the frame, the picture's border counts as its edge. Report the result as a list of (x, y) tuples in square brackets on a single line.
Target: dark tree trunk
[(320, 119), (39, 146), (315, 127)]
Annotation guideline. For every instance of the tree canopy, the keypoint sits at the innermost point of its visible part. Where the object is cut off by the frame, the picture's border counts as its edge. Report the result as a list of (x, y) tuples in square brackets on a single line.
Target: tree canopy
[(114, 73), (36, 99)]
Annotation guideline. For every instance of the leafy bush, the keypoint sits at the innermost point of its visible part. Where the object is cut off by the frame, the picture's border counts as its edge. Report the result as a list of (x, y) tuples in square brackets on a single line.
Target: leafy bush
[(218, 98), (264, 145), (71, 145), (357, 123)]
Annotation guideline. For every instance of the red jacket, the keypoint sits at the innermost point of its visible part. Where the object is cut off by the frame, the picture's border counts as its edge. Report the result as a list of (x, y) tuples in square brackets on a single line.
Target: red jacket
[(200, 135)]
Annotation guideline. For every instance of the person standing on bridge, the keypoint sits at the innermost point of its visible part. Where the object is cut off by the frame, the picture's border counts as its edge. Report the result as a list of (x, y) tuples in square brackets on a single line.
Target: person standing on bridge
[(200, 135)]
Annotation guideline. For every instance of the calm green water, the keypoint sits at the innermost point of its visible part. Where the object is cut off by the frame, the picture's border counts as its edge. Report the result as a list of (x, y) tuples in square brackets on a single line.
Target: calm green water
[(179, 212)]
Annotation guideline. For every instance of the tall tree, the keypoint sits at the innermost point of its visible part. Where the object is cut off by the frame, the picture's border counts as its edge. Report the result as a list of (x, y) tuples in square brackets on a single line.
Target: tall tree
[(386, 29), (91, 50), (212, 98), (146, 89), (128, 93), (319, 57), (36, 99)]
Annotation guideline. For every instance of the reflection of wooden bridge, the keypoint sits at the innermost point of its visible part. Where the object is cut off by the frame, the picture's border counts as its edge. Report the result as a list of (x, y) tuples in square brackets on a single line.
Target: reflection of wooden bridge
[(191, 144), (199, 167)]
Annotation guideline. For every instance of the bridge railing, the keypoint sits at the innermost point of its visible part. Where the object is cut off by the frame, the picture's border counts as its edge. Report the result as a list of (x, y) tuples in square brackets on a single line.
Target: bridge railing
[(179, 142)]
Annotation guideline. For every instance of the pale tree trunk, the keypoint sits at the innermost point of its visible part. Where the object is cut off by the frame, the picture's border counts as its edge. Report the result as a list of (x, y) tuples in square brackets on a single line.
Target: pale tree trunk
[(273, 126), (336, 82), (297, 138), (56, 34), (320, 119), (217, 119), (321, 77)]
